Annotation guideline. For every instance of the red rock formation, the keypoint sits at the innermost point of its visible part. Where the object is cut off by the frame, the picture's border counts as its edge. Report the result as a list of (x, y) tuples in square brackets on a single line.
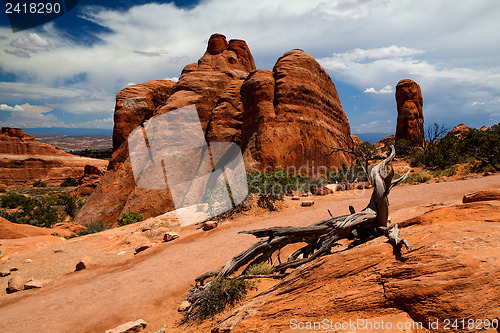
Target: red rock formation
[(278, 118), (458, 130), (410, 125), (13, 141), (356, 141), (116, 192), (25, 160), (297, 112)]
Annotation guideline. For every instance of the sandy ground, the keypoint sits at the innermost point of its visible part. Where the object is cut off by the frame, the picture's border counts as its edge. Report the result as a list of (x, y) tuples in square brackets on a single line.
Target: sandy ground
[(150, 285)]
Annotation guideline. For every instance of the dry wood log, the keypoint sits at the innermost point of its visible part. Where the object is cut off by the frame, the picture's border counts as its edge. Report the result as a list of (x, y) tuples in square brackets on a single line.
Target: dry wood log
[(320, 237)]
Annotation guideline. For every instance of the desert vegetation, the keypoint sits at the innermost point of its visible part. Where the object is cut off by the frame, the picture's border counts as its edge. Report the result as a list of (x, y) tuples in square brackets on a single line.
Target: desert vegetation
[(39, 206)]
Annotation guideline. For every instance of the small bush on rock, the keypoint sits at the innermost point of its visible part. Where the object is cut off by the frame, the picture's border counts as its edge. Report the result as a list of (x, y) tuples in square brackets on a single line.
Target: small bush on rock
[(132, 217)]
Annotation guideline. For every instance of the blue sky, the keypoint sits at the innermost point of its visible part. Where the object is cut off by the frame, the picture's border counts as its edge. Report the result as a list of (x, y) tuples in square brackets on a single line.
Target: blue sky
[(66, 73)]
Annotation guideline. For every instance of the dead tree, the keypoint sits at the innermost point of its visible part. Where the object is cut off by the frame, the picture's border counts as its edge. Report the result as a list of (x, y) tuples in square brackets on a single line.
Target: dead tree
[(319, 237)]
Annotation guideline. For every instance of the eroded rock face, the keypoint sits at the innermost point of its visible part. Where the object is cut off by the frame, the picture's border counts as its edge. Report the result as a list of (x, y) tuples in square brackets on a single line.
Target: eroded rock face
[(23, 160), (451, 273), (278, 118), (410, 124), (293, 113)]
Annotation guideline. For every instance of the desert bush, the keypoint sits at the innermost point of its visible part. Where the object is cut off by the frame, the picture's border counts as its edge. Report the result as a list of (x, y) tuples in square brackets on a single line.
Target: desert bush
[(259, 269), (481, 148), (69, 203), (2, 190), (12, 200), (272, 186), (404, 148), (451, 171), (346, 174), (222, 293), (39, 183), (92, 229), (39, 212), (418, 177), (70, 181), (132, 217)]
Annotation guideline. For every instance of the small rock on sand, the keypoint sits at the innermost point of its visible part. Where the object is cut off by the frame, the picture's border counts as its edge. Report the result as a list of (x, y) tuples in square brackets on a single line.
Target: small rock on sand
[(307, 203), (15, 284), (169, 236), (130, 327)]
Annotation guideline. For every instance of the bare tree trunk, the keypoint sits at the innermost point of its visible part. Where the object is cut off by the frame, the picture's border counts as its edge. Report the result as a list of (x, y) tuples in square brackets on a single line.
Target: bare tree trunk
[(319, 237)]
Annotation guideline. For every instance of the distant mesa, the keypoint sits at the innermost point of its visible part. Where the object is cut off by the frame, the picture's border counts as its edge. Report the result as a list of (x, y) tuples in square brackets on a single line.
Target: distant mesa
[(23, 160), (410, 123), (278, 118)]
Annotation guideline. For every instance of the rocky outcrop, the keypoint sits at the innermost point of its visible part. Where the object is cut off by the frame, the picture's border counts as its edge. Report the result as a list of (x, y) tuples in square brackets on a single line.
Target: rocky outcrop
[(279, 118), (459, 130), (410, 123), (14, 141), (451, 273), (356, 141), (23, 160), (291, 114)]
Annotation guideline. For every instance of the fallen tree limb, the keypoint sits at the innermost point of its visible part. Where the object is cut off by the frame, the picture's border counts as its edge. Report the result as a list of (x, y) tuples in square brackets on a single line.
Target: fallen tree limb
[(319, 237)]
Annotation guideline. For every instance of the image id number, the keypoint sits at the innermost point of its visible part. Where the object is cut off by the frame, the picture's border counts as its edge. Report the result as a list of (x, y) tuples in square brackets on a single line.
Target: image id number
[(33, 8)]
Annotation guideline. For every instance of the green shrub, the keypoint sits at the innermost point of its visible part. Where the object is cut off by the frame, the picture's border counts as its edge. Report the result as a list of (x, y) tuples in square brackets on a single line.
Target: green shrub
[(92, 229), (39, 183), (346, 174), (2, 190), (404, 148), (418, 177), (39, 212), (451, 171), (272, 186), (132, 217), (70, 181), (259, 269), (69, 203), (12, 200), (221, 294), (482, 148)]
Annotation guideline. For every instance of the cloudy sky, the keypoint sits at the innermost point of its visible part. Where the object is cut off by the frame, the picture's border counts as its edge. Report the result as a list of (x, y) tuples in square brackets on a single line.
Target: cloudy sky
[(66, 73)]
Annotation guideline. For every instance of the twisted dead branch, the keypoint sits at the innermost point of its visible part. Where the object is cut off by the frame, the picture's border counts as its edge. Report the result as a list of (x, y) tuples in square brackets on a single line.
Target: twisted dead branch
[(319, 237)]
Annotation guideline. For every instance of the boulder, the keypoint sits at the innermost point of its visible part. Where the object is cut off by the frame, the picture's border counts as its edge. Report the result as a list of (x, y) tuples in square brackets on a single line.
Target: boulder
[(296, 197), (321, 190), (485, 195), (307, 203), (410, 122), (4, 273), (142, 247), (85, 263), (129, 327), (209, 225), (15, 284), (184, 306), (36, 283), (169, 236)]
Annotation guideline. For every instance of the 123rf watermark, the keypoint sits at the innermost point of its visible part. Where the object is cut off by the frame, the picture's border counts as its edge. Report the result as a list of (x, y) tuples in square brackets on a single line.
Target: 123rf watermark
[(366, 324)]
